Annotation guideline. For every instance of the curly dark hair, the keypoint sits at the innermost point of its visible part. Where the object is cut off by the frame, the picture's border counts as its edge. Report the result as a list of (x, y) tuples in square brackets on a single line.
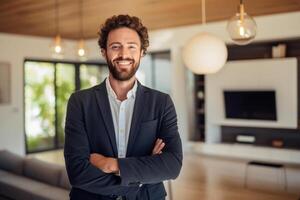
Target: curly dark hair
[(119, 21)]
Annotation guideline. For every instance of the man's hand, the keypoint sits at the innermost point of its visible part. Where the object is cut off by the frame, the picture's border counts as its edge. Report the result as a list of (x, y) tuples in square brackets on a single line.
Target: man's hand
[(159, 145), (106, 164)]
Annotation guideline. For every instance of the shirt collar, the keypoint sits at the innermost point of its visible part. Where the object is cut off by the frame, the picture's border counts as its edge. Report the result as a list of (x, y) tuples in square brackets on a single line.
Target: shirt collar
[(131, 93)]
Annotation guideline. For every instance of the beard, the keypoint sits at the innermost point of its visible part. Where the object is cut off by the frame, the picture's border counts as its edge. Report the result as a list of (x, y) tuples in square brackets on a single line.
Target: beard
[(122, 74)]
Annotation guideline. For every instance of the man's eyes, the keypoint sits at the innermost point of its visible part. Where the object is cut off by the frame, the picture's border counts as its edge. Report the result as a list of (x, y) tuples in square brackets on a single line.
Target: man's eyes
[(117, 47), (132, 47)]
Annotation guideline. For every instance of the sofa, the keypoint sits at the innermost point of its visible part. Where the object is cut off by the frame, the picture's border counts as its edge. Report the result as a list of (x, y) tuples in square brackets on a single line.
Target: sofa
[(31, 179)]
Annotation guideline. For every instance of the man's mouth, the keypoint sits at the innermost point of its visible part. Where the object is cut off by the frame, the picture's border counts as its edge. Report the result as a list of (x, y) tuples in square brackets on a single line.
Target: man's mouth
[(124, 62)]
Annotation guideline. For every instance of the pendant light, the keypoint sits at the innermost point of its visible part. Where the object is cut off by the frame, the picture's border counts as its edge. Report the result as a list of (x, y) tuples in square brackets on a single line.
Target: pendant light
[(241, 27), (81, 51), (204, 53), (57, 49)]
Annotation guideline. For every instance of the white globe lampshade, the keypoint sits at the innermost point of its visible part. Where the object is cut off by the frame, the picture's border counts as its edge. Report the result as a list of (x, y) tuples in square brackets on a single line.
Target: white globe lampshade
[(205, 53)]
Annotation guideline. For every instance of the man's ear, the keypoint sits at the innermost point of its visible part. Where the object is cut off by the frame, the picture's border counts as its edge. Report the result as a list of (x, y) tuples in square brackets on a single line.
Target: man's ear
[(142, 53), (103, 53)]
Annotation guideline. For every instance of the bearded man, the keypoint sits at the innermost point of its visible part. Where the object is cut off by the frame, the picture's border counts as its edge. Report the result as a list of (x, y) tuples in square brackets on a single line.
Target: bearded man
[(121, 138)]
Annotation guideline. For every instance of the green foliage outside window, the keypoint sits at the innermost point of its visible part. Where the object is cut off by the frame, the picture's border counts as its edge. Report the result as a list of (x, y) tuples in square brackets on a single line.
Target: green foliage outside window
[(48, 87)]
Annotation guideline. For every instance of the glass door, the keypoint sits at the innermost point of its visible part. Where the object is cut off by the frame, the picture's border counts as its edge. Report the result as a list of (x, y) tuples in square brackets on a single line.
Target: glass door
[(47, 88)]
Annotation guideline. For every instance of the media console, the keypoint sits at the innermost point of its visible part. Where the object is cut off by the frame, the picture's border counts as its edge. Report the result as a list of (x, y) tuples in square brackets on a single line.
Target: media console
[(270, 137)]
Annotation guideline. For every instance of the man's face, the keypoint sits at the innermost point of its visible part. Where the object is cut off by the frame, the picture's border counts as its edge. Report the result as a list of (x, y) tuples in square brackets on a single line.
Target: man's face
[(123, 53)]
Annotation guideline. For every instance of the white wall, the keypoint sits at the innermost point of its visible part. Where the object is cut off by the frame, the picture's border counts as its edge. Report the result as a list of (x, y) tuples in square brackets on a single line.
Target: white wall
[(14, 49), (279, 75)]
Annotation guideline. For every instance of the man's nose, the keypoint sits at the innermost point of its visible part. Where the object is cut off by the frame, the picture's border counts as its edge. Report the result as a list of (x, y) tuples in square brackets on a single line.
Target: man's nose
[(124, 53)]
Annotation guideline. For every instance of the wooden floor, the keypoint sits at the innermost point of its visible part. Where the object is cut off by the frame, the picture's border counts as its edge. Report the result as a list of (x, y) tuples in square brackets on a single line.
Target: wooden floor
[(206, 178), (211, 178)]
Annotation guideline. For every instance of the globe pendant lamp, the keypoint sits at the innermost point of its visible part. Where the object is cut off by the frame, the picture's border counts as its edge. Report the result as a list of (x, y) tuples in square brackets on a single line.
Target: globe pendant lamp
[(204, 53), (241, 27), (56, 47)]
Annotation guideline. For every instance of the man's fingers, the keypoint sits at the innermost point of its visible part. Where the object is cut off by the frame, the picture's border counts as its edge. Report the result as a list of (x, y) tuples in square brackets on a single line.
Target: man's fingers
[(159, 145), (158, 142), (156, 146)]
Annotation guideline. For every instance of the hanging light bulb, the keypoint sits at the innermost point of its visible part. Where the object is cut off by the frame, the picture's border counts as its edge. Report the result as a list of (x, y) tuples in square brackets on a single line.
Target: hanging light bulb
[(241, 27), (204, 53), (81, 51), (56, 47)]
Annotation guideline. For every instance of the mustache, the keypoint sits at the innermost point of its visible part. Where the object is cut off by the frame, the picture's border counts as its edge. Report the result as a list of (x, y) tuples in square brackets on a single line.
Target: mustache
[(121, 58)]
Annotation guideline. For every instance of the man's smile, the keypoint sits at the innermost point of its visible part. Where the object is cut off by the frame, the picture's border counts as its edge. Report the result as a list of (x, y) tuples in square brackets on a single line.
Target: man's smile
[(124, 62)]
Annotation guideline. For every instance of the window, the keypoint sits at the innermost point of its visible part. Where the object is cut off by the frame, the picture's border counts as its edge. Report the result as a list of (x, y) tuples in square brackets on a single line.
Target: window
[(47, 88)]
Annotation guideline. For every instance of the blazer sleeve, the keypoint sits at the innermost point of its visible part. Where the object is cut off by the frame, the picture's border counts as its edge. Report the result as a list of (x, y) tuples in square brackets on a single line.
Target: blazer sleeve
[(160, 167), (82, 174)]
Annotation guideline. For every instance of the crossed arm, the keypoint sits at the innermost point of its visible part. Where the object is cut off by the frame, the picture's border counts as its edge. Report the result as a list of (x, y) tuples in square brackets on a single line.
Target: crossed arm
[(110, 165)]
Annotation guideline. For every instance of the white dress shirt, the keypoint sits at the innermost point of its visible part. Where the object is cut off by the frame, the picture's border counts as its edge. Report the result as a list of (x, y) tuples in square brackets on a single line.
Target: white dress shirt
[(122, 115)]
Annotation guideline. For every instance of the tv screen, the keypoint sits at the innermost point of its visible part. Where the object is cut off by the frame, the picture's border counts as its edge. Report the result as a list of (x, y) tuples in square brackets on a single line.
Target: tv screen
[(259, 105)]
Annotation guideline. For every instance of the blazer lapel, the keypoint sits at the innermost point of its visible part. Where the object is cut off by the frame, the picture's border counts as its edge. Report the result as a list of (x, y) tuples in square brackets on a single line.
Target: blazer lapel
[(103, 103), (139, 105)]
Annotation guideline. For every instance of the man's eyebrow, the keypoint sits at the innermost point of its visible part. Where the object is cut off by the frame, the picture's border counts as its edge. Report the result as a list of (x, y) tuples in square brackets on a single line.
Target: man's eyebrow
[(114, 43), (132, 43)]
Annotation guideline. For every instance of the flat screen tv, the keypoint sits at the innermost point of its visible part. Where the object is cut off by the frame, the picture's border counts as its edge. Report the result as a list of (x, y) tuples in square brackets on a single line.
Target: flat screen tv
[(253, 105)]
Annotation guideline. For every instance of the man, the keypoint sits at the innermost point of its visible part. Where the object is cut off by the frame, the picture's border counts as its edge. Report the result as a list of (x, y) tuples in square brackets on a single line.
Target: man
[(121, 138)]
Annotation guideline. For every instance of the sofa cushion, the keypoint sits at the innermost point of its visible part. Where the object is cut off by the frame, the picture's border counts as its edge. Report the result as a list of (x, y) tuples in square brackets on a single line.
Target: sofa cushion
[(4, 173), (42, 171), (20, 187), (64, 180), (11, 162), (48, 192)]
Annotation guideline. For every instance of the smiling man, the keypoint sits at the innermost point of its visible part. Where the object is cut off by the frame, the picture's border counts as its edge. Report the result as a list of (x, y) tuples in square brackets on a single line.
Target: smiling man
[(121, 138)]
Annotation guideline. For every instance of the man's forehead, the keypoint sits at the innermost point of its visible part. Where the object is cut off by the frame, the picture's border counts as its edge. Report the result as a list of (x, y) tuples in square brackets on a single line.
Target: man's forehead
[(123, 34)]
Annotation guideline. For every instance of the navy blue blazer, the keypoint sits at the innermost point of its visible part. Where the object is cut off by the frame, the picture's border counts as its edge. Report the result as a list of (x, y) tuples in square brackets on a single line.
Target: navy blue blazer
[(89, 129)]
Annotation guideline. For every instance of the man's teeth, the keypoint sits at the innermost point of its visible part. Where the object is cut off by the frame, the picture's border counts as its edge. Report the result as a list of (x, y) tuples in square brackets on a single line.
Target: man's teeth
[(124, 62)]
